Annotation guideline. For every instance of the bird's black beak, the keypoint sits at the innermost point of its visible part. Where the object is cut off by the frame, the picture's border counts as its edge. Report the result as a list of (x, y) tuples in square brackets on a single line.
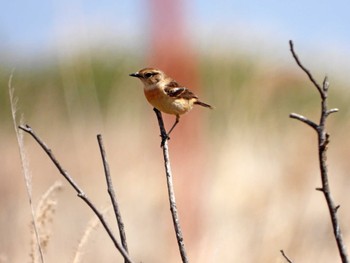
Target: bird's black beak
[(136, 75)]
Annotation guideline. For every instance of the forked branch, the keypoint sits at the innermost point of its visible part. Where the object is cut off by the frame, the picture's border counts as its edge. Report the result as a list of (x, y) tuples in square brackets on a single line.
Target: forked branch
[(323, 140), (79, 191)]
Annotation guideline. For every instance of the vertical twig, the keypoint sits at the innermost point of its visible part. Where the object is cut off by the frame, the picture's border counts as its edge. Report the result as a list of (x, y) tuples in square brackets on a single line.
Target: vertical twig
[(112, 195), (171, 192), (25, 171), (79, 191), (323, 140)]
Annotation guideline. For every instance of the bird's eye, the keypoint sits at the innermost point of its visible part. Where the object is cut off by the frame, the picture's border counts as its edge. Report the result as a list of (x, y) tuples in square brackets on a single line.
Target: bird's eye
[(149, 74)]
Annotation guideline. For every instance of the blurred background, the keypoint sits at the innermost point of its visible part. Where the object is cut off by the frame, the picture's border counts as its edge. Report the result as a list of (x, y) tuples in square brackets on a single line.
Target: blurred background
[(245, 173)]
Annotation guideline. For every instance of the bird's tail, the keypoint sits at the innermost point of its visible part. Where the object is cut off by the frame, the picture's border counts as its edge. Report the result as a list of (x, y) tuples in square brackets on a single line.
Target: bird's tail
[(203, 104)]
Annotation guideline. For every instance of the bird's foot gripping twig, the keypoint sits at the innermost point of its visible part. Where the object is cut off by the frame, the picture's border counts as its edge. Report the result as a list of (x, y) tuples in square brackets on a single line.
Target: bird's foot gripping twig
[(165, 137), (163, 134)]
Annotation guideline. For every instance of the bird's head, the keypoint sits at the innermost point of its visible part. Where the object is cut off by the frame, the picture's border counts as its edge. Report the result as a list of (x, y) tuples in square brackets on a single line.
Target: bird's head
[(149, 76)]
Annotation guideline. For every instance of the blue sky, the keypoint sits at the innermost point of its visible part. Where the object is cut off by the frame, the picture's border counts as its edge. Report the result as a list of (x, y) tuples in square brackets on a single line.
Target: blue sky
[(28, 27)]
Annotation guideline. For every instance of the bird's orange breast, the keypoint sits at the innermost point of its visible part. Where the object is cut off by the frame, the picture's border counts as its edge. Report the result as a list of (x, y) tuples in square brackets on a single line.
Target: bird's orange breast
[(158, 99), (153, 94)]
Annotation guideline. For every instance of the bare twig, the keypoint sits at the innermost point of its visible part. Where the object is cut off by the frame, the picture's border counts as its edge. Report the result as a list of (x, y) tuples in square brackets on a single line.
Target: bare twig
[(305, 69), (79, 191), (303, 119), (329, 112), (112, 195), (286, 257), (25, 171), (323, 140), (171, 192)]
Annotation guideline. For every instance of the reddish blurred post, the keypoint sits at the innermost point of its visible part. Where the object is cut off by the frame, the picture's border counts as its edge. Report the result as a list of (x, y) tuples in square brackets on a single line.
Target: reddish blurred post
[(171, 50)]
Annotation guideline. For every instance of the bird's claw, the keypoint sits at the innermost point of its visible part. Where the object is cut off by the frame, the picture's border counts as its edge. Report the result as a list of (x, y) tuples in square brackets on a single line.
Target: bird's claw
[(164, 139)]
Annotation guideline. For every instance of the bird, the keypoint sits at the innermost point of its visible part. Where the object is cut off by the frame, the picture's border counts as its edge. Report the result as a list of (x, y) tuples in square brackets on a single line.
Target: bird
[(166, 94)]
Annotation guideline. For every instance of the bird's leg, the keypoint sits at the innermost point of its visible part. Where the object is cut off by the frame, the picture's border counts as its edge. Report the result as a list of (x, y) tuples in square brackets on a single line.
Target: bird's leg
[(175, 123), (166, 137)]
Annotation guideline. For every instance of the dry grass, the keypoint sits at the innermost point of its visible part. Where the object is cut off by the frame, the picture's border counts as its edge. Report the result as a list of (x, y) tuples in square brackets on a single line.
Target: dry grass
[(44, 217), (91, 226), (35, 242)]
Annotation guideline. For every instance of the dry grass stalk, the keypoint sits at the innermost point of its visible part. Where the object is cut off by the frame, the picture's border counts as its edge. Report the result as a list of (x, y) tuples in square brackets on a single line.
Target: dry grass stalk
[(44, 216), (92, 225), (24, 163)]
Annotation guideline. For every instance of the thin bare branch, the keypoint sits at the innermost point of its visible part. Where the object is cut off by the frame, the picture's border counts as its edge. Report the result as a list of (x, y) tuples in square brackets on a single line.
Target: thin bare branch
[(329, 112), (323, 141), (305, 69), (112, 194), (286, 257), (303, 119), (171, 192), (79, 191)]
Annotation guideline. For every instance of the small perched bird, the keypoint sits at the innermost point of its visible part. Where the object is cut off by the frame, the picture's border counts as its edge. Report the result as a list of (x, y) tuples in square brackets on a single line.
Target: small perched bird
[(166, 95)]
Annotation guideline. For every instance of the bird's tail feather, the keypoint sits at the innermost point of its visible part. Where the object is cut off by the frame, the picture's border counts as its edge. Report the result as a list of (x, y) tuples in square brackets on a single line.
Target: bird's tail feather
[(203, 104)]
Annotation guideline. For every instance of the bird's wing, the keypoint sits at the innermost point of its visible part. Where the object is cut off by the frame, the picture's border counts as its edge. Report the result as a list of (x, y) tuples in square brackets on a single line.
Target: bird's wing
[(173, 89)]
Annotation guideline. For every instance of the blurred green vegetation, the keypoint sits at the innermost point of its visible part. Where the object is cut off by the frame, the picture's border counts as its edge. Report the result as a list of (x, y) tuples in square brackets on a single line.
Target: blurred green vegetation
[(240, 86), (78, 77), (257, 91)]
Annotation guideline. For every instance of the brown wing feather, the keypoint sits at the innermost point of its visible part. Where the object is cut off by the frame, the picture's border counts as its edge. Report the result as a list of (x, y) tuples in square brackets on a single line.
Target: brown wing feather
[(173, 89), (173, 84)]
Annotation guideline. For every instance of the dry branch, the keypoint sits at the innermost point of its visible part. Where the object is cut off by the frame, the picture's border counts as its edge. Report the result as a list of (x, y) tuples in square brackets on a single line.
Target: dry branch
[(171, 192), (286, 257), (112, 194), (323, 140), (79, 191)]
